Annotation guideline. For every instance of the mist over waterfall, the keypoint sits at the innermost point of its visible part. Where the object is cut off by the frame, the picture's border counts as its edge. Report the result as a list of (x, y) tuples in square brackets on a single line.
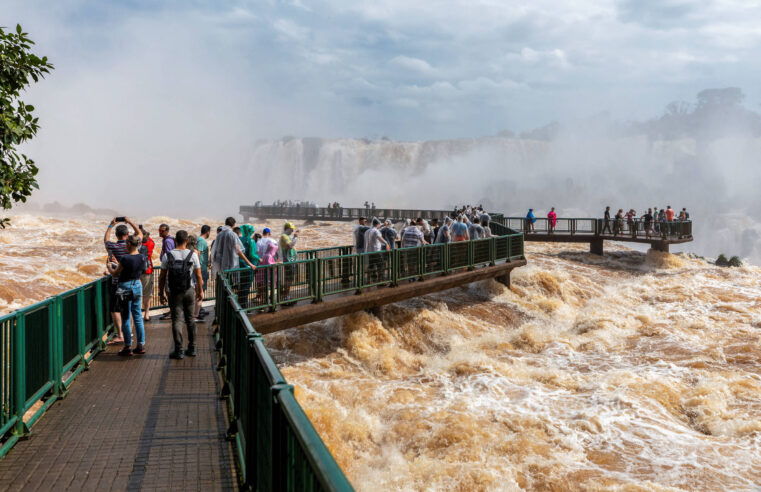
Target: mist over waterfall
[(577, 176)]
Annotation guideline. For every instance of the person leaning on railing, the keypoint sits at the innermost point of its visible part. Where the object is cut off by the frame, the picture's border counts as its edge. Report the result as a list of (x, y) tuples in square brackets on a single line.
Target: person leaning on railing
[(288, 254)]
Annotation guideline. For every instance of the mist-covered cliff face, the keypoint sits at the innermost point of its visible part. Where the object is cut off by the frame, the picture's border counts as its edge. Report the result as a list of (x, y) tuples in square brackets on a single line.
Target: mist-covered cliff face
[(715, 179)]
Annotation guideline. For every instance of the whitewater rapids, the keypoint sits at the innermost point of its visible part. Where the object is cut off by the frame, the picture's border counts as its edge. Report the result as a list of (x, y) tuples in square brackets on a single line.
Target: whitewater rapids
[(629, 372)]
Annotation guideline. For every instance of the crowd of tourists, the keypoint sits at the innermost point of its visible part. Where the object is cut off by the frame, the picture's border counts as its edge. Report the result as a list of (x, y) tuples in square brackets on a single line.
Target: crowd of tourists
[(653, 221), (187, 261), (463, 224)]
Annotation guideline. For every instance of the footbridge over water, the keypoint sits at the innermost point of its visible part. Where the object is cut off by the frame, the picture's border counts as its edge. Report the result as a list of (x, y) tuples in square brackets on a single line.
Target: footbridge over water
[(77, 416), (659, 235)]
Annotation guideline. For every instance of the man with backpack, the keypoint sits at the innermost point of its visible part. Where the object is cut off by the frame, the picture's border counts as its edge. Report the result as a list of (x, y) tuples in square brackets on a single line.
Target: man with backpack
[(182, 268)]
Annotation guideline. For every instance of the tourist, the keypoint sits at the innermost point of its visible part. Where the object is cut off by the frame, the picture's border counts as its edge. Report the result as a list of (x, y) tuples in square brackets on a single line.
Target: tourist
[(552, 220), (656, 225), (288, 254), (374, 239), (192, 245), (130, 291), (266, 250), (445, 235), (669, 213), (227, 249), (459, 229), (203, 253), (606, 223), (475, 231), (374, 242), (648, 222), (618, 223), (246, 276), (485, 219), (167, 241), (182, 268), (412, 236), (146, 279), (115, 252), (530, 221), (686, 214), (425, 228), (389, 234), (630, 215), (434, 230), (359, 236)]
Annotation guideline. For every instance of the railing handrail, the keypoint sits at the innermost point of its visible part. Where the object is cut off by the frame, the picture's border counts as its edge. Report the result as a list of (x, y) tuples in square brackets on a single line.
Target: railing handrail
[(239, 365)]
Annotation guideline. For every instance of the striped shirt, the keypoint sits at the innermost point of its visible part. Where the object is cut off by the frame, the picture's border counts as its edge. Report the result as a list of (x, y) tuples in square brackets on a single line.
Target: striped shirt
[(412, 237)]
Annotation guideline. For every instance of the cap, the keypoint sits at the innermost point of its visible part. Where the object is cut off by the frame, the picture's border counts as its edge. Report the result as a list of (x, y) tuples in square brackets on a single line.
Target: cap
[(266, 231), (288, 225)]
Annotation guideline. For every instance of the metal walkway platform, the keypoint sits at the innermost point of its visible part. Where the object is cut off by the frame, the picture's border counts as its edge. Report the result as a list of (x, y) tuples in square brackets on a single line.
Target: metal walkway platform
[(132, 423)]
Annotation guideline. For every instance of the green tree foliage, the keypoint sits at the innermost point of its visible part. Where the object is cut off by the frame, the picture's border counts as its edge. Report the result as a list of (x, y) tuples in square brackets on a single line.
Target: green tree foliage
[(17, 123), (735, 261), (722, 261)]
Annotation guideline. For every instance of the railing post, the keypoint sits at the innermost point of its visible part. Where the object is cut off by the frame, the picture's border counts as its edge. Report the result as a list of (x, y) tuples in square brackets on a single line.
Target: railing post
[(81, 337), (317, 276), (279, 442), (19, 375), (421, 262), (55, 344), (492, 251), (360, 272), (394, 267), (274, 274), (99, 315), (470, 254)]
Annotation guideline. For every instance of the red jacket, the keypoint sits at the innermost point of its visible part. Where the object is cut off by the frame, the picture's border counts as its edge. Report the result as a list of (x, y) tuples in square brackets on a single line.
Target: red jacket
[(150, 245)]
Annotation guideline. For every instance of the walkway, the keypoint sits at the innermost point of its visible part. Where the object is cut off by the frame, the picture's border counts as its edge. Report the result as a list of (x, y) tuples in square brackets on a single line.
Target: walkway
[(594, 231), (336, 214), (144, 423)]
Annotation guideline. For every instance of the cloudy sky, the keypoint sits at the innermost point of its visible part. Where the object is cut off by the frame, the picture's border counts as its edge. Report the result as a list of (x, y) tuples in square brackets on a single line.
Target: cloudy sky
[(149, 92), (408, 70)]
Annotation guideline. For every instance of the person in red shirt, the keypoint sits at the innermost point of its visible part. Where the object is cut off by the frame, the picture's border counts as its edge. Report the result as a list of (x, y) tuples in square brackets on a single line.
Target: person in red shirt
[(552, 220), (669, 214), (147, 277)]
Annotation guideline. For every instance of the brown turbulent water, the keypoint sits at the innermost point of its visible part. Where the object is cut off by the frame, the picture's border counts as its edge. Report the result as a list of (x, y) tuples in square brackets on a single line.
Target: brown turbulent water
[(628, 372)]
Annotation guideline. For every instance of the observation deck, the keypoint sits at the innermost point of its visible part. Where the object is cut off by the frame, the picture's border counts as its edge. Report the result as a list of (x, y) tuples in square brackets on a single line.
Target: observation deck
[(222, 420)]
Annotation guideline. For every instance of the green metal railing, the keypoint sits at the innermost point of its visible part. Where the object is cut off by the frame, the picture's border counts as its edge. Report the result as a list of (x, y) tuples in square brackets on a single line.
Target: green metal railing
[(276, 446), (155, 294), (43, 348), (330, 271)]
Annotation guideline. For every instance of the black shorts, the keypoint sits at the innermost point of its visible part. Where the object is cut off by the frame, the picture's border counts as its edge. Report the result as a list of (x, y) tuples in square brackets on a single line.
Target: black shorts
[(115, 303)]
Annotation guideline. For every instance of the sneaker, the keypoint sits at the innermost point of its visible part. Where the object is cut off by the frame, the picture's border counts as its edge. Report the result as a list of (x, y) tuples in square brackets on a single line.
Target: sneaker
[(139, 350), (191, 351), (166, 316), (125, 352), (177, 355), (199, 320), (204, 312)]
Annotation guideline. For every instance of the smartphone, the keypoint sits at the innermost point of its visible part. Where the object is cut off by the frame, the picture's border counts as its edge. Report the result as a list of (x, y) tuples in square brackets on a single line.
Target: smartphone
[(121, 219)]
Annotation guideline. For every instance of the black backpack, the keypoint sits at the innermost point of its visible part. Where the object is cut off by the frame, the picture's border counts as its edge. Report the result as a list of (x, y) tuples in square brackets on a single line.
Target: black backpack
[(179, 272)]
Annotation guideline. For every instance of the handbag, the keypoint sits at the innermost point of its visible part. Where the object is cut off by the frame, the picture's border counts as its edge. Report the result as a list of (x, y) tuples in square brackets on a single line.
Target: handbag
[(124, 294)]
